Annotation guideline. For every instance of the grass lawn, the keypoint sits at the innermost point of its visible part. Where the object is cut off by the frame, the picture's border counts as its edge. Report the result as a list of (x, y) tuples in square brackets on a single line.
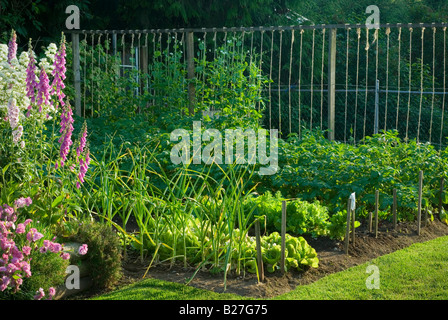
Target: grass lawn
[(154, 289), (417, 272)]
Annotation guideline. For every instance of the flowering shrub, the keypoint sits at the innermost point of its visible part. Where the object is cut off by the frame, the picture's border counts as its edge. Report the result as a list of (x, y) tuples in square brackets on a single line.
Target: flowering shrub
[(20, 245), (19, 83), (31, 94)]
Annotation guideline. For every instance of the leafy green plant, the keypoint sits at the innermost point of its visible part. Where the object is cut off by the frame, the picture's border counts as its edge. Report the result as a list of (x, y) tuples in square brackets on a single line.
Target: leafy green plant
[(302, 217), (104, 249), (298, 253), (443, 215), (313, 168)]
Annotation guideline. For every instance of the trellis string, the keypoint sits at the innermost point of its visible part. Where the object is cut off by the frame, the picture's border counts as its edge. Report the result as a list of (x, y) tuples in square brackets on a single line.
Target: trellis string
[(358, 32), (433, 79), (300, 81), (322, 79), (311, 80), (279, 84), (399, 78), (387, 77), (410, 83), (289, 80), (346, 84), (421, 88), (444, 85)]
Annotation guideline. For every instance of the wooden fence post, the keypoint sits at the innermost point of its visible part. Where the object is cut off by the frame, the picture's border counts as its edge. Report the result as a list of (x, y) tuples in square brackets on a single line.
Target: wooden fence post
[(353, 212), (76, 73), (190, 73), (331, 83), (419, 208), (283, 231), (347, 230), (394, 208), (377, 198), (442, 180), (259, 256), (377, 94)]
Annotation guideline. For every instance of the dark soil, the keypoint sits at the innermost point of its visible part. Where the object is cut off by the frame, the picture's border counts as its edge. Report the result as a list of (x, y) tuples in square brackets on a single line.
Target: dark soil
[(332, 258)]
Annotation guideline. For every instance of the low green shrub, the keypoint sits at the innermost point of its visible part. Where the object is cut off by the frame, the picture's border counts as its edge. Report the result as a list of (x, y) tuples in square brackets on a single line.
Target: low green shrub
[(104, 249)]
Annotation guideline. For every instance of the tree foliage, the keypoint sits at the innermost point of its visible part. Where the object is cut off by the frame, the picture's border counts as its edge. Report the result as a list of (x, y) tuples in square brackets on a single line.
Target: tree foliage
[(44, 20)]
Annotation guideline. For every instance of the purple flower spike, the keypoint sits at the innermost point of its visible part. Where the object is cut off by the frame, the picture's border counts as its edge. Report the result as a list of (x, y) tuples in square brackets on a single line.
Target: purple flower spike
[(12, 47), (43, 94), (83, 167), (66, 129), (31, 83), (82, 140)]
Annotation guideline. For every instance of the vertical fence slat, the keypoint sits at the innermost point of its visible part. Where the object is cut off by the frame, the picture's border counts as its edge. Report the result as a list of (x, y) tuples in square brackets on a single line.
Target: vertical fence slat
[(347, 230), (283, 231), (442, 180), (377, 198), (394, 208), (259, 255)]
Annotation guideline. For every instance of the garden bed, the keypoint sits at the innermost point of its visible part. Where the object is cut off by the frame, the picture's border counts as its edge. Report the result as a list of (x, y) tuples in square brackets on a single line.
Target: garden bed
[(331, 259)]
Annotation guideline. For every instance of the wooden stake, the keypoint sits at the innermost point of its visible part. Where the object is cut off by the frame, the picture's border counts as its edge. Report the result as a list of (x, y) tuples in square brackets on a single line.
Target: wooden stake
[(377, 198), (353, 227), (442, 180), (283, 253), (370, 221), (394, 208), (347, 231), (419, 208), (259, 256)]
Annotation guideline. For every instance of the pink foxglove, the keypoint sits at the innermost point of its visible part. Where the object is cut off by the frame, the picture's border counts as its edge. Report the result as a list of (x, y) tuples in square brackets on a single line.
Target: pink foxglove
[(66, 130), (12, 47), (43, 94)]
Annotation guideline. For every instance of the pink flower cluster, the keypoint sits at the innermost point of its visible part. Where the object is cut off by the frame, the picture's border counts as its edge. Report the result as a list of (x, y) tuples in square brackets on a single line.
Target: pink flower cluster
[(83, 249), (66, 129), (12, 47), (13, 117), (31, 82), (13, 113), (83, 163), (43, 90), (83, 166), (59, 73), (15, 260), (41, 293)]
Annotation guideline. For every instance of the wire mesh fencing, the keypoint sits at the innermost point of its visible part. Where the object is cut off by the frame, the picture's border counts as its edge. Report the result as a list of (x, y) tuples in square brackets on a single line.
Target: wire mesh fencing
[(393, 77)]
